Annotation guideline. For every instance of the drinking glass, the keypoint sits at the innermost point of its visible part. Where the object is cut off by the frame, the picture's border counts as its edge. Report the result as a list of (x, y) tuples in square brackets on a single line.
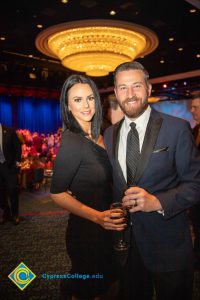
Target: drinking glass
[(118, 209)]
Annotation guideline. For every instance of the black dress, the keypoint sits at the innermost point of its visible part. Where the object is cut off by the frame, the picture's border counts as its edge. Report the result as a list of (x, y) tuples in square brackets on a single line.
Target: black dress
[(82, 167)]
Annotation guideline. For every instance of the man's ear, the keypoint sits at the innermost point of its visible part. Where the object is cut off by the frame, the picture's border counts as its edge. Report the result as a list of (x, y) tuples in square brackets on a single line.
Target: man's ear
[(115, 92)]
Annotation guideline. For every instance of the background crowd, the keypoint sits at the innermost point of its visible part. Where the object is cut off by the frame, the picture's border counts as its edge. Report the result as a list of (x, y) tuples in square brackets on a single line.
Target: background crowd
[(38, 149), (38, 152)]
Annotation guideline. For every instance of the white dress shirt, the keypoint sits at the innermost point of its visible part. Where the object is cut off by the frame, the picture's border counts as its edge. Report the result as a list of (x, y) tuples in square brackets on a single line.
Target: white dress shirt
[(141, 125)]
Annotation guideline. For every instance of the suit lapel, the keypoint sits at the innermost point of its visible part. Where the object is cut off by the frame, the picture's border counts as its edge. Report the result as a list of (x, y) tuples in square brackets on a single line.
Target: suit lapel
[(116, 137), (153, 128)]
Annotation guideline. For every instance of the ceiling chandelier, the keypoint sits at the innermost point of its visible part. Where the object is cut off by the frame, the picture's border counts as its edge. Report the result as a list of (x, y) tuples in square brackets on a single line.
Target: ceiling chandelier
[(96, 47)]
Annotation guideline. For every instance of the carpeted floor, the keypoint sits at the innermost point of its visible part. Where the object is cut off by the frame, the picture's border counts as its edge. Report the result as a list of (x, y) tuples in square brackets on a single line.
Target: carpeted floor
[(39, 242)]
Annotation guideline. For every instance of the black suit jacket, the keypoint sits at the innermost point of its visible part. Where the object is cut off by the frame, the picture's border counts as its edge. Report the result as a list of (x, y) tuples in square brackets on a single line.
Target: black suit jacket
[(169, 168), (11, 146), (195, 132)]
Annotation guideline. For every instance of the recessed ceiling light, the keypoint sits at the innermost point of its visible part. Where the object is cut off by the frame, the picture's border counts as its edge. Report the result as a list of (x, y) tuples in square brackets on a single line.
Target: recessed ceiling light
[(39, 26), (32, 75), (171, 39), (64, 1), (112, 12), (198, 55), (2, 38), (162, 61), (180, 49), (193, 10)]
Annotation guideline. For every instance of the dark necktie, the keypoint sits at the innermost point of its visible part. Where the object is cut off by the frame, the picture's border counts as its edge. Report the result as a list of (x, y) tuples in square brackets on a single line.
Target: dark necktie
[(132, 154)]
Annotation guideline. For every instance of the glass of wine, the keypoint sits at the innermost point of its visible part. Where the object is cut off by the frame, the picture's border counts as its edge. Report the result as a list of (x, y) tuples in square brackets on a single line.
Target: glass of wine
[(119, 212)]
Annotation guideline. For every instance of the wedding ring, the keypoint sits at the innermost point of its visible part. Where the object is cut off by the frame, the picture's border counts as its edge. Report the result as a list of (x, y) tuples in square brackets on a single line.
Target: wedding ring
[(135, 203)]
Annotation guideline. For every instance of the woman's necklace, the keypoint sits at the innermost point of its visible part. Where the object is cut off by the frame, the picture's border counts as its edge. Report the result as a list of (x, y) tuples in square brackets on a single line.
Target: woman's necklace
[(89, 136)]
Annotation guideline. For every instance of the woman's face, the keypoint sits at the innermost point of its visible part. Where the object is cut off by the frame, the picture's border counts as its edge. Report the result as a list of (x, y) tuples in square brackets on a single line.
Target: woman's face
[(81, 103)]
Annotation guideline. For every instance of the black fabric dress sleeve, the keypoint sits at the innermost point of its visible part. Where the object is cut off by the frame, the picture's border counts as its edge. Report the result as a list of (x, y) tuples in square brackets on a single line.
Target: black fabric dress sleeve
[(67, 162)]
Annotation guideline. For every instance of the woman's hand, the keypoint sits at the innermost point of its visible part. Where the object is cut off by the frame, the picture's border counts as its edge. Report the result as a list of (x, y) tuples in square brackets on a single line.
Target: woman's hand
[(111, 220), (107, 219)]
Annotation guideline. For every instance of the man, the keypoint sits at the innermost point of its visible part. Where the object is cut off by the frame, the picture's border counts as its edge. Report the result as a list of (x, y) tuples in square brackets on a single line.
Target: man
[(165, 184), (195, 110), (195, 210), (10, 157), (112, 112), (115, 113)]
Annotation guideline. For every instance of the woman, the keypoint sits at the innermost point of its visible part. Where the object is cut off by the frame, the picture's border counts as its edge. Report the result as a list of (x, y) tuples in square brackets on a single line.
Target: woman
[(82, 167)]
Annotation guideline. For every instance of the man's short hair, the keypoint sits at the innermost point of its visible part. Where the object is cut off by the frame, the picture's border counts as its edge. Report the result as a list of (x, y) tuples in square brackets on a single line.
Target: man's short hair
[(132, 65), (196, 95)]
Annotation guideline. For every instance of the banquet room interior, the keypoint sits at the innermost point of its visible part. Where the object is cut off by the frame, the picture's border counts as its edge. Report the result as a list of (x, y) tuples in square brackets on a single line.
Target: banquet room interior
[(31, 78)]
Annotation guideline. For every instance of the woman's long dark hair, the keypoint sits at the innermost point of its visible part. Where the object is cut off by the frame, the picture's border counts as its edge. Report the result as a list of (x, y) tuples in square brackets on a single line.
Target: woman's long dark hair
[(69, 122)]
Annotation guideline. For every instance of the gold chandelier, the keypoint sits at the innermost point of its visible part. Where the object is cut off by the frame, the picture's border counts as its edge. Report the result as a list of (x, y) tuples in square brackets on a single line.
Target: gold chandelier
[(96, 47)]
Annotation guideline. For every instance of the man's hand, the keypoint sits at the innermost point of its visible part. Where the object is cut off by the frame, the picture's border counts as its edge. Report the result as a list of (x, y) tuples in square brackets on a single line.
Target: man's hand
[(138, 199)]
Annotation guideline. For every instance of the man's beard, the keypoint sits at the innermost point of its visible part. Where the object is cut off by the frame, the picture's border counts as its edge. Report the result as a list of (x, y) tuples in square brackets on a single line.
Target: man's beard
[(133, 112)]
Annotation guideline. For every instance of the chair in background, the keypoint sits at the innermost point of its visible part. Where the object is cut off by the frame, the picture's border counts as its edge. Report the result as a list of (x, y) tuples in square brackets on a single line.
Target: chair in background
[(38, 178), (47, 177)]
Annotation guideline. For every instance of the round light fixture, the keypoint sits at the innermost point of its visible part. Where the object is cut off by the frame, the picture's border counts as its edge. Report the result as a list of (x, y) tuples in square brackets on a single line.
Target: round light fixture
[(96, 47)]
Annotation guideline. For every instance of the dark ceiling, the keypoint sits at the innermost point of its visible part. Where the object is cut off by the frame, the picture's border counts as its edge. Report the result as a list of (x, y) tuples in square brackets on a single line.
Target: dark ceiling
[(169, 18)]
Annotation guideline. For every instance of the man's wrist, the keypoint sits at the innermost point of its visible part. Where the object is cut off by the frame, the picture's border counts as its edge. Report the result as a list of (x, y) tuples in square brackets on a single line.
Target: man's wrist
[(159, 210)]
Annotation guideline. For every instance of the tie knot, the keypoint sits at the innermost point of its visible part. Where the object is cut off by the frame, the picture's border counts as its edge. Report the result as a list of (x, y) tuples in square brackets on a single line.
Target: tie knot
[(132, 125)]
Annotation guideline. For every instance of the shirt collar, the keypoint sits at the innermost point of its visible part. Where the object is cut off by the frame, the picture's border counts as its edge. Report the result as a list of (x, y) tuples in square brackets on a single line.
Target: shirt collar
[(140, 121)]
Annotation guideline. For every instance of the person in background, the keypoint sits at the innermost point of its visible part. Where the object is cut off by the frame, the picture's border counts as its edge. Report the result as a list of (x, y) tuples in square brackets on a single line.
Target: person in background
[(195, 110), (195, 210), (81, 183), (157, 164), (10, 157), (112, 112), (115, 114), (37, 141)]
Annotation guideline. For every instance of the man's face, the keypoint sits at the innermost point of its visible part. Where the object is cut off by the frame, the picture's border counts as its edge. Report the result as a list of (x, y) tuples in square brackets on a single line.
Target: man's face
[(132, 92), (195, 109)]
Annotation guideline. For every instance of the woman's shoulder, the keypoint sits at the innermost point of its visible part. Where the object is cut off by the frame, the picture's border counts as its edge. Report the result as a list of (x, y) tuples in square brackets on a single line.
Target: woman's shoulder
[(71, 139), (69, 135)]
